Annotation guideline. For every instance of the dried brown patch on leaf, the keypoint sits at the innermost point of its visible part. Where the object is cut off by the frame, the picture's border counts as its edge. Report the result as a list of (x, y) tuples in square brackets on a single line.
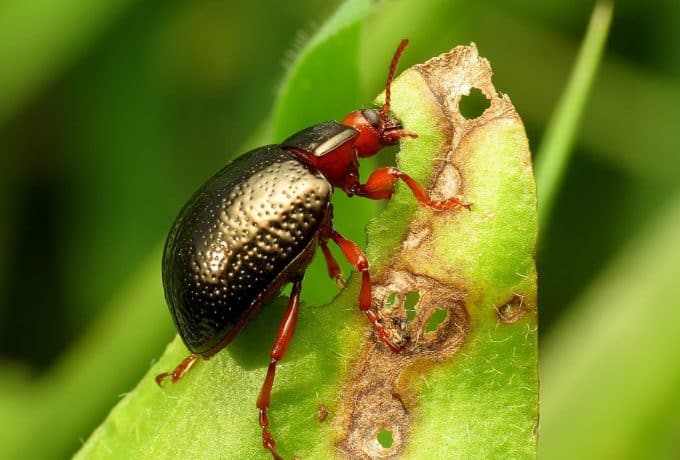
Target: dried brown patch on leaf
[(373, 400)]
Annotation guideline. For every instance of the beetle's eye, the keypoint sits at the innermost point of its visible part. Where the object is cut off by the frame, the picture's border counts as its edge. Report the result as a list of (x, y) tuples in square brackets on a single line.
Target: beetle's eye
[(373, 116)]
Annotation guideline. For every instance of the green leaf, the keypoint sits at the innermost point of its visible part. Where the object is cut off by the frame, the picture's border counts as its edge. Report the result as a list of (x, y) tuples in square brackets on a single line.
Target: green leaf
[(481, 400), (610, 369), (556, 147), (467, 389)]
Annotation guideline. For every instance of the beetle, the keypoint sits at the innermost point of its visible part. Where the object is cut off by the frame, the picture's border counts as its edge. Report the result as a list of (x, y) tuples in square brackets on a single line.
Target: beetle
[(255, 225)]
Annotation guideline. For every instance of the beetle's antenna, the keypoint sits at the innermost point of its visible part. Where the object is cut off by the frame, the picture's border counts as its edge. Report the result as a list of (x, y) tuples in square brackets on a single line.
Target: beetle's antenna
[(390, 76)]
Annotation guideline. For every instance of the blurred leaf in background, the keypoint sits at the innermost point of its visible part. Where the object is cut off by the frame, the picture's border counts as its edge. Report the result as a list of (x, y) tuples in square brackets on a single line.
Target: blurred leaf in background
[(112, 112)]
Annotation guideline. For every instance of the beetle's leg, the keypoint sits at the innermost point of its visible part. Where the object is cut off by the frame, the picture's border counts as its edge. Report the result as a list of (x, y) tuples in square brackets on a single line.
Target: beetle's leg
[(392, 136), (283, 337), (380, 186), (334, 270), (357, 258), (181, 369)]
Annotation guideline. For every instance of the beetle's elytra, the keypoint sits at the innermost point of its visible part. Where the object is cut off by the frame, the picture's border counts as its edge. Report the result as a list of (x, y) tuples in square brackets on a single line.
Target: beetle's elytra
[(248, 230), (254, 226)]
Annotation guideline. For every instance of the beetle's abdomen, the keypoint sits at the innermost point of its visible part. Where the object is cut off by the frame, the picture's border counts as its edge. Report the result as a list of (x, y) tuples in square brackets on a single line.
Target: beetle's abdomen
[(234, 239)]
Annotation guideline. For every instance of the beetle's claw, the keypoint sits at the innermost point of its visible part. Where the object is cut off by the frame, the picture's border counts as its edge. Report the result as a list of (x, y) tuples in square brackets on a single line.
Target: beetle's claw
[(339, 281), (395, 349), (466, 204), (387, 338), (451, 203), (161, 377)]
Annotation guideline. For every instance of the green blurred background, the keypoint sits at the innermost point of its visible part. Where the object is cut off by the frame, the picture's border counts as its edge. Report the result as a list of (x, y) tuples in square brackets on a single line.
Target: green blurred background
[(113, 112)]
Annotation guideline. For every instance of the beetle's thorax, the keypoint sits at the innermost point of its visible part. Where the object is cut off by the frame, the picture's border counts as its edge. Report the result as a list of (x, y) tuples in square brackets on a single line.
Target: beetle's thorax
[(341, 169), (330, 149)]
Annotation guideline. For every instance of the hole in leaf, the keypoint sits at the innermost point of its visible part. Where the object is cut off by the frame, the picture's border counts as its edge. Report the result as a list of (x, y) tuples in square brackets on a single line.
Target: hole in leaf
[(474, 104), (410, 303), (435, 320), (384, 438), (390, 301)]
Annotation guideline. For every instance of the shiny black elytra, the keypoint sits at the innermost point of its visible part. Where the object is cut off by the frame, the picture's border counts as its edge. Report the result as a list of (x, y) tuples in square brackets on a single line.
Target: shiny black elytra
[(254, 226), (248, 230)]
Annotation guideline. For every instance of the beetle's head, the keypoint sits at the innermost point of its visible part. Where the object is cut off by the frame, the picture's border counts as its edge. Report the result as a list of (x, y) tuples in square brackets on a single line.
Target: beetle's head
[(377, 128)]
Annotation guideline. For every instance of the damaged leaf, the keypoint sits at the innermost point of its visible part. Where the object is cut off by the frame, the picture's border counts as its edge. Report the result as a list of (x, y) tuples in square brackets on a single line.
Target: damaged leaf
[(457, 287), (468, 389)]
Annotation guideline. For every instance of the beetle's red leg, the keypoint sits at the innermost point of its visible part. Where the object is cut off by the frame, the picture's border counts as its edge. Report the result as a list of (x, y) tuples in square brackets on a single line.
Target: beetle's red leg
[(181, 369), (283, 337), (392, 136), (334, 270), (380, 186), (357, 258)]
